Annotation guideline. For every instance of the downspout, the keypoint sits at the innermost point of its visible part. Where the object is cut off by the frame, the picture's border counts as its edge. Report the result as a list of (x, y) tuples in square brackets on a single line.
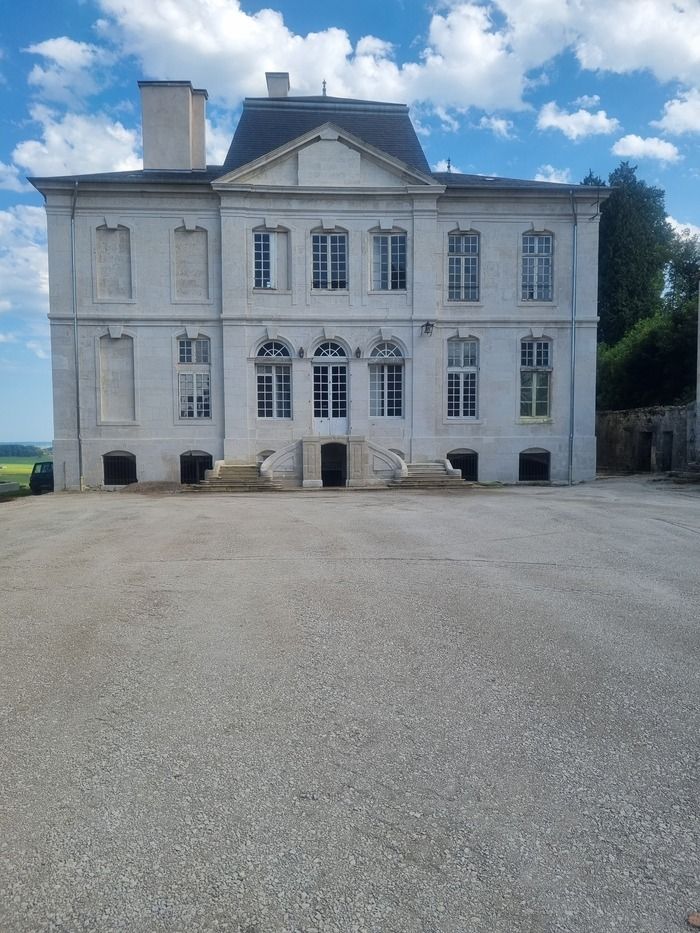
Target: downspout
[(572, 349), (74, 281)]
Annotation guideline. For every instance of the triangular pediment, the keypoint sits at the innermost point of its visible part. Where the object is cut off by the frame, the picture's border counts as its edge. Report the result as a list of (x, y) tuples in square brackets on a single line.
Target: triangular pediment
[(326, 157)]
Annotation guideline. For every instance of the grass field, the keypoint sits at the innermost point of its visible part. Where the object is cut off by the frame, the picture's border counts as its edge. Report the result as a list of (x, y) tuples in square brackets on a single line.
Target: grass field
[(16, 469)]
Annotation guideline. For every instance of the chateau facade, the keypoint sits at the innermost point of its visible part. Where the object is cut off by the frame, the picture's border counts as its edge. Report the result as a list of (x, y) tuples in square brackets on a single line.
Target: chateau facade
[(322, 305)]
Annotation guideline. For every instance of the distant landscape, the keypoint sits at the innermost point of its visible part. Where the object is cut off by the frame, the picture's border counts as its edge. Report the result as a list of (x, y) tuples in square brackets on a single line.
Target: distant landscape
[(17, 460)]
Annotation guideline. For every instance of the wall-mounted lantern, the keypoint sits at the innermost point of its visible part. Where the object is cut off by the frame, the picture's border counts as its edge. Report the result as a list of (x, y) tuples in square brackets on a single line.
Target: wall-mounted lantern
[(301, 353), (427, 328), (358, 353)]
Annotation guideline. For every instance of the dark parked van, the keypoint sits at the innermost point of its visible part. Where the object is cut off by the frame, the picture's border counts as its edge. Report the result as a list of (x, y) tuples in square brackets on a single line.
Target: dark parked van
[(41, 479)]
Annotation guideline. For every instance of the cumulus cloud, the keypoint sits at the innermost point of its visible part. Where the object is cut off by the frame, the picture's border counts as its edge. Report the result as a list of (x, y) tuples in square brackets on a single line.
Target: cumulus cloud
[(219, 136), (445, 165), (38, 349), (24, 279), (587, 101), (681, 114), (10, 179), (73, 142), (650, 147), (71, 70), (683, 229), (549, 173), (576, 125), (498, 126)]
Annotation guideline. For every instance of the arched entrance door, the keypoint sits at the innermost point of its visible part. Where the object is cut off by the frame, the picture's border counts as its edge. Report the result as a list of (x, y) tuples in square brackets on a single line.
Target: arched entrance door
[(330, 390), (334, 464), (193, 466)]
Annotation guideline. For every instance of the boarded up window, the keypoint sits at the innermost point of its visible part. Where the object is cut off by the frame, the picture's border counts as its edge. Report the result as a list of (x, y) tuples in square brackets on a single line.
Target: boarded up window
[(113, 261), (117, 393), (191, 265)]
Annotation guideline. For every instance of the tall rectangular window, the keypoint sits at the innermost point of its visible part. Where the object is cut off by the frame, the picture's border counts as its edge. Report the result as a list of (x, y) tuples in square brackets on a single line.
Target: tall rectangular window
[(274, 390), (263, 244), (389, 262), (386, 391), (535, 378), (195, 397), (463, 267), (330, 263), (537, 272), (462, 378)]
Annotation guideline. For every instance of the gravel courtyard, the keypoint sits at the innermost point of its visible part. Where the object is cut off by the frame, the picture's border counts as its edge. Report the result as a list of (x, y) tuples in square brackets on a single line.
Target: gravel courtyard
[(351, 711)]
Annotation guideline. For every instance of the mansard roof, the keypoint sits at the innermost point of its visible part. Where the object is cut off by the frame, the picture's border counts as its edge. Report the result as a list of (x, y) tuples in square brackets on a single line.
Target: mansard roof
[(268, 123)]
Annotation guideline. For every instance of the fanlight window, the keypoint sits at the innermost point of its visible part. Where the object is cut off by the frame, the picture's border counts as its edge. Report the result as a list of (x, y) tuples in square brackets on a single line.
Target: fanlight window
[(330, 349), (384, 350), (273, 348)]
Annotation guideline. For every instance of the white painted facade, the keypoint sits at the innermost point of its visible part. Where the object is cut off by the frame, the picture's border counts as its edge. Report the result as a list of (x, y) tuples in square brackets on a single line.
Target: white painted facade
[(157, 261)]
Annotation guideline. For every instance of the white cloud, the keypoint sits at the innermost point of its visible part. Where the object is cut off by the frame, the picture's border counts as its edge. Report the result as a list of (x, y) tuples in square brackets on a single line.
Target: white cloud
[(24, 279), (575, 125), (651, 147), (498, 126), (77, 143), (219, 136), (445, 165), (682, 114), (683, 229), (38, 349), (7, 337), (10, 179), (72, 70), (548, 173), (587, 101)]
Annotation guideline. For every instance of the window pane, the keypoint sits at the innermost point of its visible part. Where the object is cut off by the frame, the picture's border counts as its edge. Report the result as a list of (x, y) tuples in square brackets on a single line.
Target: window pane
[(185, 355), (394, 391), (376, 391), (453, 395)]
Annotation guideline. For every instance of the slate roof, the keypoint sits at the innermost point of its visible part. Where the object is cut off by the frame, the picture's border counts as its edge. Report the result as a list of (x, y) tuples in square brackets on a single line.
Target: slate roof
[(457, 180), (268, 123)]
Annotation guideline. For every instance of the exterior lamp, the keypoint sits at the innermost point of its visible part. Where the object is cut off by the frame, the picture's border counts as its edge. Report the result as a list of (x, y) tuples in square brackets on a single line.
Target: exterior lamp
[(358, 353), (427, 328), (301, 353)]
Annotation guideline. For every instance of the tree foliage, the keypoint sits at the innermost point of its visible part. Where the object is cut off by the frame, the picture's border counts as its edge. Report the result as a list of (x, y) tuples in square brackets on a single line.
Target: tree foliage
[(20, 450)]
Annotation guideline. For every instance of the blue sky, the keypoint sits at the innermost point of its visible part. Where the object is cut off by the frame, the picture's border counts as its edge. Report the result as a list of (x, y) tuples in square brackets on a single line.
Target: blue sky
[(523, 88)]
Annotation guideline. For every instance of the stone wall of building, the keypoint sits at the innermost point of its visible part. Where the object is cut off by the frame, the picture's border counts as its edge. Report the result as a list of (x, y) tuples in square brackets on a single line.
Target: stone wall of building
[(646, 440)]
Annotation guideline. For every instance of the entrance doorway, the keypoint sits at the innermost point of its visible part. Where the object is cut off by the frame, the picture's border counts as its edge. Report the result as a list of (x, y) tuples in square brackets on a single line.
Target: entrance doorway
[(334, 464), (330, 389), (193, 466)]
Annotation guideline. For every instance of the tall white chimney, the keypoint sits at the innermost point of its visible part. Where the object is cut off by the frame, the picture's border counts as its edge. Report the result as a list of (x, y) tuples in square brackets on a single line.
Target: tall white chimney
[(277, 83), (173, 114)]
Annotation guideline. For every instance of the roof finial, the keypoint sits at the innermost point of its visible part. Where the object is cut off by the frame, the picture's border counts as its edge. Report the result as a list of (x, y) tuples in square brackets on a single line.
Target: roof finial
[(449, 165), (324, 87)]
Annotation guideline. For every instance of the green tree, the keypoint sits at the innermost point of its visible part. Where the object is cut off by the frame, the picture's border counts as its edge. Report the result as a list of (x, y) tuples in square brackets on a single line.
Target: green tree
[(635, 241)]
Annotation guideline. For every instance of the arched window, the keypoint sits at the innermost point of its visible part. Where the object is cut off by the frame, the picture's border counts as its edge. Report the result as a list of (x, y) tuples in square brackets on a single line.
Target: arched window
[(329, 348), (274, 380), (462, 377), (463, 266), (119, 468), (386, 381), (535, 377), (538, 270), (534, 465)]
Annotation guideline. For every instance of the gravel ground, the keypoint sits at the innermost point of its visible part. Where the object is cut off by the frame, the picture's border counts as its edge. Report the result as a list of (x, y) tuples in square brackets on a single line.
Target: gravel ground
[(351, 711)]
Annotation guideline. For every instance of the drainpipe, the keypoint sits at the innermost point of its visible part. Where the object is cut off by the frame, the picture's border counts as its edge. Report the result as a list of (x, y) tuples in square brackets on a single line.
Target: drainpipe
[(572, 378), (74, 281)]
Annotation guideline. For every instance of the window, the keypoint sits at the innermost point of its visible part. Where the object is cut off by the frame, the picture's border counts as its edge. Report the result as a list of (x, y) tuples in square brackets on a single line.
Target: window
[(462, 371), (263, 243), (193, 351), (270, 259), (537, 267), (389, 262), (535, 378), (463, 267), (274, 381), (195, 395), (386, 382), (119, 468), (534, 465), (330, 262)]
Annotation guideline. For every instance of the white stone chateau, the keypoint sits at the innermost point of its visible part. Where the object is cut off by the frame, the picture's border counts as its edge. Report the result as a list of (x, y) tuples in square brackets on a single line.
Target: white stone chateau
[(322, 305)]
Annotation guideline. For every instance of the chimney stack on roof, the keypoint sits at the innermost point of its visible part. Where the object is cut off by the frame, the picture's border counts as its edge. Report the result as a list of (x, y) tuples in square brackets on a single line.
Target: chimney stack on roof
[(277, 83), (172, 120)]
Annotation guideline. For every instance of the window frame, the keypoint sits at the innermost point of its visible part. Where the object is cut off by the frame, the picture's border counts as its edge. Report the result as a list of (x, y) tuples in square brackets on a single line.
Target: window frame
[(200, 396), (273, 375), (463, 298), (271, 237), (537, 369), (539, 295), (398, 235), (343, 284), (462, 382), (386, 363)]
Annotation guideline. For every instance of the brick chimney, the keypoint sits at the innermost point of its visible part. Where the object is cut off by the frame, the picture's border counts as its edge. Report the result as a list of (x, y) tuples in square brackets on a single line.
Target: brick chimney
[(172, 121)]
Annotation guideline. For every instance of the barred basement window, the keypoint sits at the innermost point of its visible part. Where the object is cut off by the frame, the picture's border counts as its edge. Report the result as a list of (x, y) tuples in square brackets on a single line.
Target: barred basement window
[(274, 381), (195, 395), (386, 382), (389, 262), (463, 267), (462, 374), (537, 272), (330, 260), (193, 351), (535, 378)]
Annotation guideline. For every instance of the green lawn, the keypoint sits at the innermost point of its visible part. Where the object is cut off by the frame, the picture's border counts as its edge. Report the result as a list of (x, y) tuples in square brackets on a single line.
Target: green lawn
[(16, 469)]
